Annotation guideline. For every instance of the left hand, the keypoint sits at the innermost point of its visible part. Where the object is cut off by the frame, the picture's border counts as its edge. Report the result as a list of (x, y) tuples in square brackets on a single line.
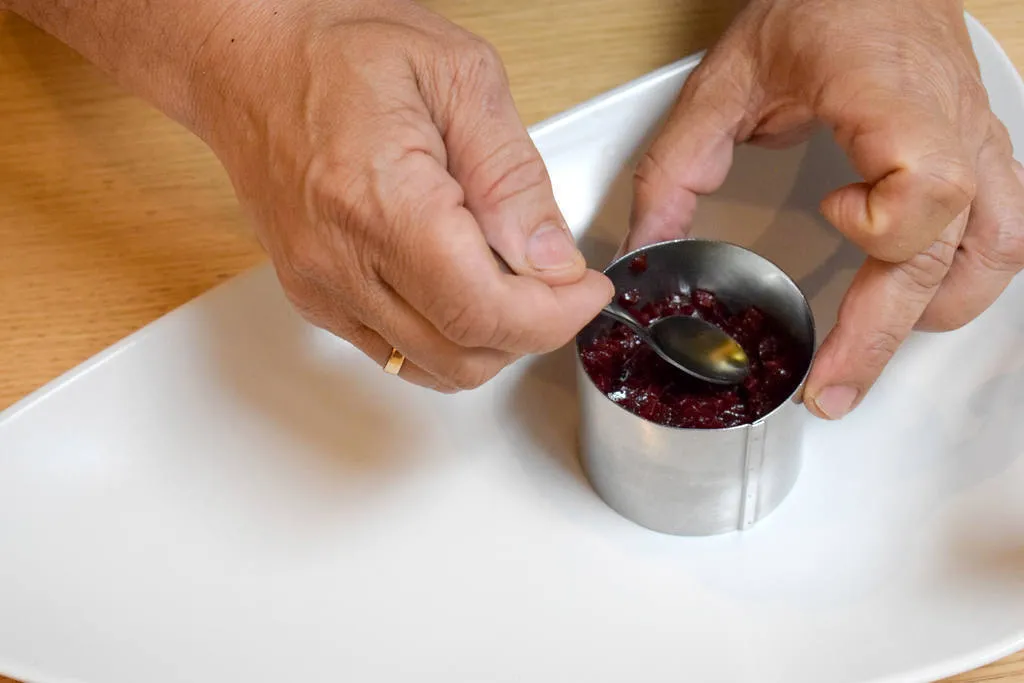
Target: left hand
[(941, 210)]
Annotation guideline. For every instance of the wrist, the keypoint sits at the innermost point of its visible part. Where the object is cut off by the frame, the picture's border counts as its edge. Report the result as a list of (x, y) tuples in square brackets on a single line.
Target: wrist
[(255, 69), (149, 48), (250, 70)]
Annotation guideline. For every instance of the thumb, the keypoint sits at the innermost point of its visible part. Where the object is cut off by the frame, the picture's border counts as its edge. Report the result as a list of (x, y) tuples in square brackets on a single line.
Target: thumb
[(506, 184), (693, 153), (919, 176)]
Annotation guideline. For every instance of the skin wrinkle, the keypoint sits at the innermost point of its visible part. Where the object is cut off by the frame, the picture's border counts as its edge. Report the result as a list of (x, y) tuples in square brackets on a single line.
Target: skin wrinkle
[(648, 163), (1004, 250), (522, 177), (956, 189), (408, 213), (466, 324), (194, 60), (882, 346), (995, 260), (927, 269), (438, 89), (470, 74)]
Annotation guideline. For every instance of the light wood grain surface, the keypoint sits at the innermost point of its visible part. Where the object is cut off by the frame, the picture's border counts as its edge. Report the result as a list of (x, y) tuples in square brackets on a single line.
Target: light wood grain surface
[(110, 215)]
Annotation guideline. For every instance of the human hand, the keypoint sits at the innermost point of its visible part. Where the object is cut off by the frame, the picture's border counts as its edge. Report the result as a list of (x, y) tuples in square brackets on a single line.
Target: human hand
[(941, 210), (378, 150)]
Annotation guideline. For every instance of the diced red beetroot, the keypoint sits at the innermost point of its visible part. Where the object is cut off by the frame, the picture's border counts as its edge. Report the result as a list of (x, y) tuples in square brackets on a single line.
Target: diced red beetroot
[(753, 320), (647, 314), (704, 300), (776, 372), (768, 348), (639, 264), (633, 376), (629, 298)]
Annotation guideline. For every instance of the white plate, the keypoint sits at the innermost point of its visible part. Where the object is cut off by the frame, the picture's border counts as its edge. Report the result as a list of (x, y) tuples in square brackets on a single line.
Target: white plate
[(230, 495)]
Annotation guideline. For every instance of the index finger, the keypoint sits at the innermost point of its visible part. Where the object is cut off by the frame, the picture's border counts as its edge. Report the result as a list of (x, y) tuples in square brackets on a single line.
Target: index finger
[(878, 312), (441, 263)]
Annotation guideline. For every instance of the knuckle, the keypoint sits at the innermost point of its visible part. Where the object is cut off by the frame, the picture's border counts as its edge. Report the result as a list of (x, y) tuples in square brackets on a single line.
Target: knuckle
[(719, 89), (340, 203), (1005, 252), (309, 301), (468, 323), (482, 57), (512, 169), (880, 347), (476, 66), (655, 189), (412, 141), (322, 290), (649, 172), (379, 223), (999, 135), (511, 337), (973, 96), (470, 375), (303, 259), (953, 186), (925, 271), (944, 319)]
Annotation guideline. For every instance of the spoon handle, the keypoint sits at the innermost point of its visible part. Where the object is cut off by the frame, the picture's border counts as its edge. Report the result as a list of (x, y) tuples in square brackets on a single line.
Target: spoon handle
[(617, 313)]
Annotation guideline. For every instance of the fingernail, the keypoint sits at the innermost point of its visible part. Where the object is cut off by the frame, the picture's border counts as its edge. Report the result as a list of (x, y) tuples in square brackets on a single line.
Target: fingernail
[(836, 401), (551, 248)]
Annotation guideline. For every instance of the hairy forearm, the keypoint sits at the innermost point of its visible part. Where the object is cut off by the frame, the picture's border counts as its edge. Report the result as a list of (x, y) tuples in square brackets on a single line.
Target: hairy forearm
[(149, 46)]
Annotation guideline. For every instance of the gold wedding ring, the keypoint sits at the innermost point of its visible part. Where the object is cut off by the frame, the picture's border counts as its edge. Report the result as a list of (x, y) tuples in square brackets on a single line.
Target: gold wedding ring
[(394, 362)]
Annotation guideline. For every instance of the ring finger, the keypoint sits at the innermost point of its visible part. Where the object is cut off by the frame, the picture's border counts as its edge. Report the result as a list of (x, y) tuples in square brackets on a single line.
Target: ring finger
[(453, 366), (379, 350)]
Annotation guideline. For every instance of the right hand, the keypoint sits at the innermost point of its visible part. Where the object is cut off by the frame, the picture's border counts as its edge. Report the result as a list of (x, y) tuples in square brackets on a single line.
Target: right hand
[(940, 213), (377, 148)]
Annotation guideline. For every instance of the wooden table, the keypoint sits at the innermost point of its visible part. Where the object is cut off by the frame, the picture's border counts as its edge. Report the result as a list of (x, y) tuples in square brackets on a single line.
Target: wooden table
[(110, 215)]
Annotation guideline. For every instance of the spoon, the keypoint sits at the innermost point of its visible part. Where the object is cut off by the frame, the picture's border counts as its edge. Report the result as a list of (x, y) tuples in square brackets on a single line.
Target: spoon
[(695, 346)]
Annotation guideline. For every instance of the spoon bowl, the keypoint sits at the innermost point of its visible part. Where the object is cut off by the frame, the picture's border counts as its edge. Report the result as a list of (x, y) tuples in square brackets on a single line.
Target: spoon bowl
[(691, 344)]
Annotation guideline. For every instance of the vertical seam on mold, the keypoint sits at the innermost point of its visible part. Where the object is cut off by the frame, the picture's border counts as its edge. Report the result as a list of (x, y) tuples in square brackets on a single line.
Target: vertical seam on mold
[(753, 464)]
